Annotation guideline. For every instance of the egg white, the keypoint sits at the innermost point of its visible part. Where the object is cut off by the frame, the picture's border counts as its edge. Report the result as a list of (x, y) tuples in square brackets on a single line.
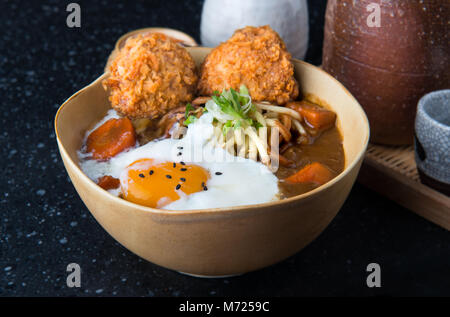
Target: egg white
[(241, 181)]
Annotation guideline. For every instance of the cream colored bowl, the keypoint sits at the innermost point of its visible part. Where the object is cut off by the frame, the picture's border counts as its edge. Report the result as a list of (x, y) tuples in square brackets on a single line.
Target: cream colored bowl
[(225, 241)]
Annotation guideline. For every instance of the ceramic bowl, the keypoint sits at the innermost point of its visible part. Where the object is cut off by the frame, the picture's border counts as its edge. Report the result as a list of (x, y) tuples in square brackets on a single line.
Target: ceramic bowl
[(223, 241), (432, 140)]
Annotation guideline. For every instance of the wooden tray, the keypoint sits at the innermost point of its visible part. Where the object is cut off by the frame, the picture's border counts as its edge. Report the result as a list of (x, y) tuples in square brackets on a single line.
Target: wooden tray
[(392, 172)]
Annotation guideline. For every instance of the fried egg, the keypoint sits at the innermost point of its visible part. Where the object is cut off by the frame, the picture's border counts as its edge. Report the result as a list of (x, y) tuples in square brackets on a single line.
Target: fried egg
[(185, 174)]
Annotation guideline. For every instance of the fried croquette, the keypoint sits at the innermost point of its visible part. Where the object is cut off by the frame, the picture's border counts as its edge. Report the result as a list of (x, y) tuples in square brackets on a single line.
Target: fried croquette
[(150, 76), (255, 57)]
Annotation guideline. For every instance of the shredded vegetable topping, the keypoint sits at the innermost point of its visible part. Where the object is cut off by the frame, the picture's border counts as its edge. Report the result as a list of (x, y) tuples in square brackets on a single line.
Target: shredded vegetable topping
[(247, 129), (232, 108)]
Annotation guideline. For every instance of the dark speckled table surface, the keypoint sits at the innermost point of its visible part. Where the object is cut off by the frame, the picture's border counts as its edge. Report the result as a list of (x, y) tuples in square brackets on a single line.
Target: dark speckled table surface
[(44, 225)]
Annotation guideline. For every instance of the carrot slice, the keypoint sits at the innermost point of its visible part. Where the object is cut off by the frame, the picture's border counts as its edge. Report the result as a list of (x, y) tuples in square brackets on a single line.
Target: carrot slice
[(108, 182), (313, 173), (111, 138), (316, 116)]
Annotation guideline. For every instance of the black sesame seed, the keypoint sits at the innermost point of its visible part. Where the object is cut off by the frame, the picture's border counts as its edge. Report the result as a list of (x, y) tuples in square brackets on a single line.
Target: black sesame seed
[(168, 176), (182, 163), (151, 172), (178, 187), (174, 165), (179, 154), (203, 184), (205, 188), (180, 148), (183, 169), (218, 173), (183, 179), (141, 175)]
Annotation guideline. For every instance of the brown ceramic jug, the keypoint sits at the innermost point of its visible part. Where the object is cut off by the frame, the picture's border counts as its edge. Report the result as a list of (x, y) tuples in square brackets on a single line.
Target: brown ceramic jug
[(388, 66)]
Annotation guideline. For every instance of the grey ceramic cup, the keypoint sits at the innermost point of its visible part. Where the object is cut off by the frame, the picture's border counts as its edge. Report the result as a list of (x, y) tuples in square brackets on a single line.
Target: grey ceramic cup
[(432, 140)]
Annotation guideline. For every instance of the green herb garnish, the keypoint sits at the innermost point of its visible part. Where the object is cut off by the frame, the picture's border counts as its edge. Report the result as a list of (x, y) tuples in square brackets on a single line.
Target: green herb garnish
[(233, 109), (190, 119), (189, 108)]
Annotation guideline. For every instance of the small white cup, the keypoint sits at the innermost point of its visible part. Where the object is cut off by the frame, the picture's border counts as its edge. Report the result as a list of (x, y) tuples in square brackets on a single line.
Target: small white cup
[(220, 18)]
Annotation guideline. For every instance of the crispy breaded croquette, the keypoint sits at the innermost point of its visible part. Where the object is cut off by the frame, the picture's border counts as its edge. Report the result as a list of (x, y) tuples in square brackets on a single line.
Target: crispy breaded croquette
[(253, 56), (149, 76)]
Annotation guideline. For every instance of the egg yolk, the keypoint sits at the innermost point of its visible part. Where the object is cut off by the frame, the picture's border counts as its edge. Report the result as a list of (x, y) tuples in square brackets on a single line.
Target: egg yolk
[(156, 185)]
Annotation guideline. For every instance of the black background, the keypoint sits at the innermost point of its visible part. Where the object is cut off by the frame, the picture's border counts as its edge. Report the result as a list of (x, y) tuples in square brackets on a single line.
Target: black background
[(44, 225)]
